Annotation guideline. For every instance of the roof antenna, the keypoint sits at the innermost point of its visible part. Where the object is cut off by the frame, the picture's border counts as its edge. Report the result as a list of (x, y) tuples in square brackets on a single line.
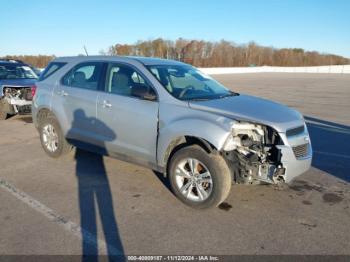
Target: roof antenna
[(86, 52)]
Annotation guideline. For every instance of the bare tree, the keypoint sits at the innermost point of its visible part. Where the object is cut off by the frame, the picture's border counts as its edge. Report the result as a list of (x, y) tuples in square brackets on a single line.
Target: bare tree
[(224, 53), (212, 54)]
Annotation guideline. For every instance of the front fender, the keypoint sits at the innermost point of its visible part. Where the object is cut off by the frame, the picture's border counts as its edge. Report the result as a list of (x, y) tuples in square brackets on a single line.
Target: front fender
[(214, 129)]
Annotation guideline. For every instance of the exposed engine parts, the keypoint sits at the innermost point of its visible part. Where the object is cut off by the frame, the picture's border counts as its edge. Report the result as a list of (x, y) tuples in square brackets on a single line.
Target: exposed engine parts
[(252, 154), (19, 99)]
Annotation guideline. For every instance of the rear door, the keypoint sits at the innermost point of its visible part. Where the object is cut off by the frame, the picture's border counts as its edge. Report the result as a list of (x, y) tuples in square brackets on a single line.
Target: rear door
[(77, 96), (133, 120)]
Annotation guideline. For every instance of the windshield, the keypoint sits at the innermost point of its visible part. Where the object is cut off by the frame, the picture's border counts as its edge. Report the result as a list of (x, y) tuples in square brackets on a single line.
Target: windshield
[(16, 72), (187, 83)]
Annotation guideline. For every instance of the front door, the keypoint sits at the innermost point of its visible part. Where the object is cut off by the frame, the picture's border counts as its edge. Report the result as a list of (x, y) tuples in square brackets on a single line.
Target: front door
[(133, 120)]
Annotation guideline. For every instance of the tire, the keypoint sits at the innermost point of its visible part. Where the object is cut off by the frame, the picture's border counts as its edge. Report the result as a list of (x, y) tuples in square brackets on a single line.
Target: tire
[(3, 111), (61, 146), (3, 115), (216, 186)]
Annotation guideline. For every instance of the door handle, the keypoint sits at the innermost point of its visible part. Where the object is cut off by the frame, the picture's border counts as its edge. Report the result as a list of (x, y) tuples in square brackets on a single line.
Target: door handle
[(62, 93), (106, 104)]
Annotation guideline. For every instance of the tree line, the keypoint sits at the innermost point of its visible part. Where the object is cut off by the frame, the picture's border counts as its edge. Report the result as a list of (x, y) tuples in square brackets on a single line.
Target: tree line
[(225, 54), (210, 54)]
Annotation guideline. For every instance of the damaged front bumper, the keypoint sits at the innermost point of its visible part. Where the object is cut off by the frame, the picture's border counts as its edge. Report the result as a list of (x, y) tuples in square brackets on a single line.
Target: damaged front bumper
[(260, 154), (18, 102), (296, 154), (18, 106), (17, 99)]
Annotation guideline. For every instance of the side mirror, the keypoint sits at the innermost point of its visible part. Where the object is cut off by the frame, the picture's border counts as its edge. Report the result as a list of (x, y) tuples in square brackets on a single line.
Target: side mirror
[(150, 96), (144, 92)]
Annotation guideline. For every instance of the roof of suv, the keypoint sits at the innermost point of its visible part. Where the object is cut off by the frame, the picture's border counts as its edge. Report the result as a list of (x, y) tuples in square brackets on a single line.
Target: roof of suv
[(143, 60), (5, 62)]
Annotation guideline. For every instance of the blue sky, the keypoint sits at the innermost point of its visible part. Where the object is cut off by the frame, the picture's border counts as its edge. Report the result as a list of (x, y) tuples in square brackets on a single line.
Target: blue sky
[(63, 27)]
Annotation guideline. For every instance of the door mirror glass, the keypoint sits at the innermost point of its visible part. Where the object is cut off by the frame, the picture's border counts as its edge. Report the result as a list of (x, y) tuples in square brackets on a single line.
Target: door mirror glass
[(144, 92)]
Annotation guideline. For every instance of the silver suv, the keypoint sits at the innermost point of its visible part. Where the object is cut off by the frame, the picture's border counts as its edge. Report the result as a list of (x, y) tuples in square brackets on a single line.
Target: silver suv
[(170, 117)]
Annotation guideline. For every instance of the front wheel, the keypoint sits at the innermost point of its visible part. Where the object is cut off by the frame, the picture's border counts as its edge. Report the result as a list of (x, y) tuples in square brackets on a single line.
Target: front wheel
[(198, 179), (3, 109)]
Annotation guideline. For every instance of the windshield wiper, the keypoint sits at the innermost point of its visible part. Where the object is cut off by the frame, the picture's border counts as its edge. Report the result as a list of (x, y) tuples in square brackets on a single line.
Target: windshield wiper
[(211, 98), (197, 99), (228, 95)]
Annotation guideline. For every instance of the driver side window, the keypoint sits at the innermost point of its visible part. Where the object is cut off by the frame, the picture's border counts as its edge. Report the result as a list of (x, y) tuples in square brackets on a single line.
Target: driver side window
[(126, 81)]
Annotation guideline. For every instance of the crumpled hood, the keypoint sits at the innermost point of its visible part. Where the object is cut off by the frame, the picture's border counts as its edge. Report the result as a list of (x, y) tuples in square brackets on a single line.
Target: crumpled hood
[(253, 109), (17, 82)]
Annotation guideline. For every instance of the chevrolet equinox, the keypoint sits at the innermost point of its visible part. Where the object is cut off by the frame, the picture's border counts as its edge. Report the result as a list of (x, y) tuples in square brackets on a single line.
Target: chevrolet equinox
[(172, 118)]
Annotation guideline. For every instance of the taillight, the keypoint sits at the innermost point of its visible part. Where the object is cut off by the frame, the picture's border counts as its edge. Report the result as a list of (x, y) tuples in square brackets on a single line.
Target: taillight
[(33, 89)]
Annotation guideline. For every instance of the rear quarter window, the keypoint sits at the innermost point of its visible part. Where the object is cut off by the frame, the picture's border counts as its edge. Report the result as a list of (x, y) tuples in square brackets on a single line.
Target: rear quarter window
[(52, 68)]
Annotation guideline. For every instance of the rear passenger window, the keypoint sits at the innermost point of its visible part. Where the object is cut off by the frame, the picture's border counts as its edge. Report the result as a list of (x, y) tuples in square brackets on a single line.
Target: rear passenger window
[(52, 68), (85, 76)]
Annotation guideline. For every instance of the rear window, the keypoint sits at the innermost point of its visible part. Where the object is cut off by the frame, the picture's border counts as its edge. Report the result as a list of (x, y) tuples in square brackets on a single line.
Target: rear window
[(12, 71), (51, 69)]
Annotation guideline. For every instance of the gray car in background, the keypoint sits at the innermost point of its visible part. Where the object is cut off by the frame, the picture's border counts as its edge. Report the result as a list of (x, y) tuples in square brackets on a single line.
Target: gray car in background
[(170, 117)]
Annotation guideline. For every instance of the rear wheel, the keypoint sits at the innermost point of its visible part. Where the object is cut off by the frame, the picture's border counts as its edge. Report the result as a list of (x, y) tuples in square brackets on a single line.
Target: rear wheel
[(52, 139), (198, 179)]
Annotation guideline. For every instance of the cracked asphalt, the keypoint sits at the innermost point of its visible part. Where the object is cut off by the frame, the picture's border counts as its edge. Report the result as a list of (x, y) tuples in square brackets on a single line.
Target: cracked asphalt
[(87, 204)]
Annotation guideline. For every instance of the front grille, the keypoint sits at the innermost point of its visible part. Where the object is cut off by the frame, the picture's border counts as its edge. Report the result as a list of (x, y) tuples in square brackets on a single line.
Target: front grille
[(295, 131), (301, 151)]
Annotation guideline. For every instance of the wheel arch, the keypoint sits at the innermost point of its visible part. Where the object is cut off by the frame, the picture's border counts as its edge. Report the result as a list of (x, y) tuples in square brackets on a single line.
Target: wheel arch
[(185, 141), (210, 133), (40, 114)]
